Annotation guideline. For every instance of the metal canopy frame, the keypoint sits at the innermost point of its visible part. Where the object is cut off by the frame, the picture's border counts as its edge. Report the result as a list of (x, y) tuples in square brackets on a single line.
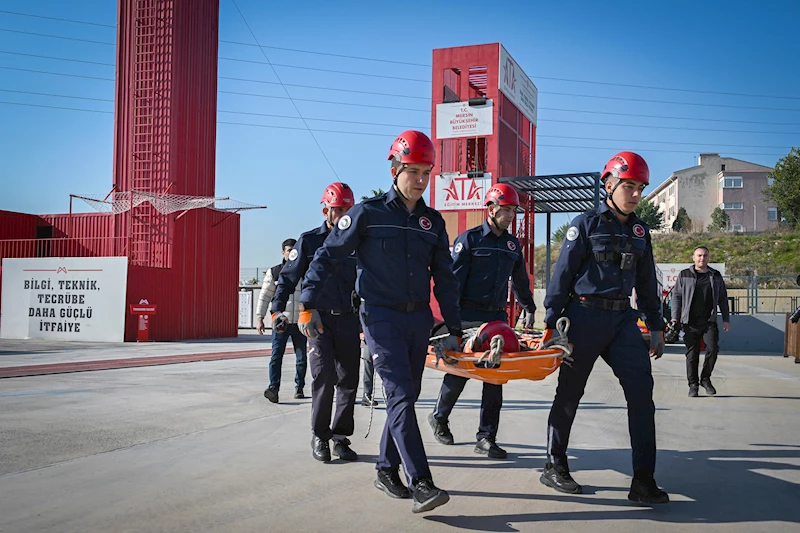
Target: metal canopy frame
[(560, 193)]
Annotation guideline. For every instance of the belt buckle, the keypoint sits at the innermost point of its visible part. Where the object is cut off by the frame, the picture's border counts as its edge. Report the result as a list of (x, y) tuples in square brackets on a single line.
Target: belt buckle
[(334, 312)]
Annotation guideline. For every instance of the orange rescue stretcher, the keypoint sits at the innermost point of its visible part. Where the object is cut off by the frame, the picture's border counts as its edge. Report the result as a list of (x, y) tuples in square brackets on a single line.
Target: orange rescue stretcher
[(534, 363)]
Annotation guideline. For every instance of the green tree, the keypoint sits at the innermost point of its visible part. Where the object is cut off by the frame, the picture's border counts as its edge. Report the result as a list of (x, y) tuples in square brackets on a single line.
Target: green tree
[(650, 214), (682, 222), (559, 234), (720, 221), (375, 192), (785, 189)]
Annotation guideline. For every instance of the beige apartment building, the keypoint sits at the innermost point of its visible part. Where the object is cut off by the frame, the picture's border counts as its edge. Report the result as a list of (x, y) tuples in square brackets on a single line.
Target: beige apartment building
[(732, 184)]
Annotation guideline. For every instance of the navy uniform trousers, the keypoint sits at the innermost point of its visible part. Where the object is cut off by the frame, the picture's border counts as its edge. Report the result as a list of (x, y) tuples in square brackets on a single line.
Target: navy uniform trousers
[(614, 336), (398, 343), (334, 358), (452, 386)]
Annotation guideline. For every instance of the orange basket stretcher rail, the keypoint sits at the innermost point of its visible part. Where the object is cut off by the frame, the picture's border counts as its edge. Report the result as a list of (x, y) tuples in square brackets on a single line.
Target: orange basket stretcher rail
[(535, 363)]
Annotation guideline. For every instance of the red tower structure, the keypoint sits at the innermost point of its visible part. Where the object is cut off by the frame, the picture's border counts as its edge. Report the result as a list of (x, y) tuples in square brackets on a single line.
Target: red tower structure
[(187, 264), (483, 122)]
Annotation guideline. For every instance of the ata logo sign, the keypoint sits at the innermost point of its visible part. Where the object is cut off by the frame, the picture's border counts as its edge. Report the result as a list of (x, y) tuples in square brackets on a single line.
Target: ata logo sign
[(460, 190)]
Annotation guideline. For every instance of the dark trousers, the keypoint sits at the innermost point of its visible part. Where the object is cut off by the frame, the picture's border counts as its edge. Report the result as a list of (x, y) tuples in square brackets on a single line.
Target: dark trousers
[(279, 341), (334, 359), (369, 372), (614, 336), (452, 386), (399, 345), (692, 335)]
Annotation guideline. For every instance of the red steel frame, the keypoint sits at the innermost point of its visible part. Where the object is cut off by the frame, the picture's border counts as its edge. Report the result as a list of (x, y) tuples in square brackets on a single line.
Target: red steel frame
[(466, 72)]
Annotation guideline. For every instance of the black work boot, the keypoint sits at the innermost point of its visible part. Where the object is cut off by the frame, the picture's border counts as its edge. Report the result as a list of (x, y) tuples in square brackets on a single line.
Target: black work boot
[(441, 431), (271, 394), (389, 481), (320, 449), (645, 490), (341, 449), (487, 446), (298, 393), (427, 496), (693, 391), (557, 477), (710, 390)]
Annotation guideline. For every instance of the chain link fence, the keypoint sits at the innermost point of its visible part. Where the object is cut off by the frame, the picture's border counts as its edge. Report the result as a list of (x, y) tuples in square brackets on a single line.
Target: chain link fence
[(252, 275)]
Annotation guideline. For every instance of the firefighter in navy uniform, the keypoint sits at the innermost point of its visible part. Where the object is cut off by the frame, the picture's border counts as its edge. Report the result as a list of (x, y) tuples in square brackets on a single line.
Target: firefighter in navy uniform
[(400, 244), (333, 356), (607, 253), (484, 258)]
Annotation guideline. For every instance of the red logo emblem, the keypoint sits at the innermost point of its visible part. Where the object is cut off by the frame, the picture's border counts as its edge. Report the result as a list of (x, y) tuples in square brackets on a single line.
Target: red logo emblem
[(424, 223), (638, 230), (61, 269), (511, 245)]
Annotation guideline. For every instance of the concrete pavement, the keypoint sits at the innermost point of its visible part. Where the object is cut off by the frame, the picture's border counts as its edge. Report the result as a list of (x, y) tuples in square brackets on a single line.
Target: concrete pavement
[(196, 447)]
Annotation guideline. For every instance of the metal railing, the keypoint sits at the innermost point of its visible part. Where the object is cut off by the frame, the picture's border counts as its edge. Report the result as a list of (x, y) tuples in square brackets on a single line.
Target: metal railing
[(64, 247)]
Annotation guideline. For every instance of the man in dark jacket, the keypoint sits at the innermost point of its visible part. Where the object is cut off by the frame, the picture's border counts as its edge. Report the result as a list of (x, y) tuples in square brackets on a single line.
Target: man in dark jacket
[(698, 292)]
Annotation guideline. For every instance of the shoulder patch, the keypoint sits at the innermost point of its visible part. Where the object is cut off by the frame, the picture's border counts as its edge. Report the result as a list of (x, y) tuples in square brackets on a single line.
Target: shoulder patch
[(293, 254), (459, 247), (511, 245), (425, 223), (572, 233), (345, 222), (638, 230)]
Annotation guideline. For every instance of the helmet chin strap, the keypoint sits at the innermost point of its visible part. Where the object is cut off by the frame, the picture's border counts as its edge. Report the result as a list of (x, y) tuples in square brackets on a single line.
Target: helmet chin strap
[(396, 188), (616, 207)]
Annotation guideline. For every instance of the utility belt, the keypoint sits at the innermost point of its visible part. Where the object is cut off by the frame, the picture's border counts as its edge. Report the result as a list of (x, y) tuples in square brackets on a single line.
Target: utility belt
[(467, 304), (598, 302), (408, 307), (336, 312)]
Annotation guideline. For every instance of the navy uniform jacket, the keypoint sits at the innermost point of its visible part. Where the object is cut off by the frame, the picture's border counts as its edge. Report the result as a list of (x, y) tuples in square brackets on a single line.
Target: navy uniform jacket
[(578, 272), (483, 262), (335, 294), (397, 252)]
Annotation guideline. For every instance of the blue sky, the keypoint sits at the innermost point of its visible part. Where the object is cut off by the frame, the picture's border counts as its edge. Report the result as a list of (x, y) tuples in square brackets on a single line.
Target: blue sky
[(715, 46)]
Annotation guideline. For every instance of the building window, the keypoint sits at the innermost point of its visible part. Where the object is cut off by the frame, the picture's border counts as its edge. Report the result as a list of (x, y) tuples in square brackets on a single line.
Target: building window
[(662, 197), (737, 227), (723, 168), (732, 182), (672, 212), (772, 213), (672, 191), (732, 205)]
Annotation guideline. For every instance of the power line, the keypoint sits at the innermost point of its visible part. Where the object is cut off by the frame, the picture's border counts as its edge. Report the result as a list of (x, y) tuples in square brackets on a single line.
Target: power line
[(362, 58), (326, 101), (345, 56), (681, 128), (325, 88), (616, 113), (656, 142), (392, 125), (58, 19), (59, 95), (58, 58), (639, 115), (57, 73), (250, 113), (297, 109), (57, 107), (626, 99), (57, 37)]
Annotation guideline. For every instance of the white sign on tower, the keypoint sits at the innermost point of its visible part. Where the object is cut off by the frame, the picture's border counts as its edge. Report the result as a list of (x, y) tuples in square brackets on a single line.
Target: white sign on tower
[(518, 87)]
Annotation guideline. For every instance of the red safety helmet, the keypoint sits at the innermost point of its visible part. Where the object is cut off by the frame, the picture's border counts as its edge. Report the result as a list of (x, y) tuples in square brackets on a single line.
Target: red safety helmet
[(502, 194), (627, 166), (483, 338), (413, 147), (338, 194)]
